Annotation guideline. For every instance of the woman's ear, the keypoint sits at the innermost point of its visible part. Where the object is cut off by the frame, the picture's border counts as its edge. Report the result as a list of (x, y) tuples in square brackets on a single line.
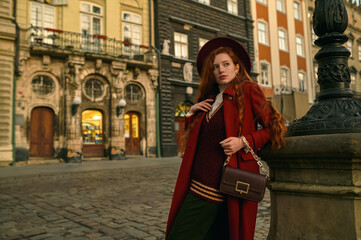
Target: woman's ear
[(237, 68)]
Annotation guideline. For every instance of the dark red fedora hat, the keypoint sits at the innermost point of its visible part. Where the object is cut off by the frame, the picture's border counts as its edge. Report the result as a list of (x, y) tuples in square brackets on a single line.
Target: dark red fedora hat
[(217, 42)]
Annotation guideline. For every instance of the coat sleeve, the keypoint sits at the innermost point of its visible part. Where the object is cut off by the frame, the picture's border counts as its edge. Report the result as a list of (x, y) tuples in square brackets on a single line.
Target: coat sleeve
[(262, 114)]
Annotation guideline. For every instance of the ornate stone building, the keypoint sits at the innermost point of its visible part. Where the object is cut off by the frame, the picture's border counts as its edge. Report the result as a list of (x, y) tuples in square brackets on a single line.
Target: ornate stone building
[(7, 73), (181, 29), (353, 32), (80, 63)]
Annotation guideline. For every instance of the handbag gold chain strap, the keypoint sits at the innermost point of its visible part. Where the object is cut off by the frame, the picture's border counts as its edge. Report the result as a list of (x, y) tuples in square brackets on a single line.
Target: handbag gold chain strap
[(248, 149)]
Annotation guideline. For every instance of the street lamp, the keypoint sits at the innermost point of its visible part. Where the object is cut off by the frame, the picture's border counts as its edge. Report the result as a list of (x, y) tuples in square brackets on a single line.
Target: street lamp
[(120, 106), (74, 106)]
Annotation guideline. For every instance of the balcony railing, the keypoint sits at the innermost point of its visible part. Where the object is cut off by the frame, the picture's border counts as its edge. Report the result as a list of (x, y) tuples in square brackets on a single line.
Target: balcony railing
[(96, 44)]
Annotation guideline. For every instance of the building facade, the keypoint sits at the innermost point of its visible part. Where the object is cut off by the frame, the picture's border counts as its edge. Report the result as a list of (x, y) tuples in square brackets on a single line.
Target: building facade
[(181, 28), (283, 55), (80, 63), (7, 72), (353, 44)]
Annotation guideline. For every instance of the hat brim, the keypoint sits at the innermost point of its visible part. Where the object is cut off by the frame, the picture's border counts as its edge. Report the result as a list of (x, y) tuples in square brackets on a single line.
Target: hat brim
[(217, 42)]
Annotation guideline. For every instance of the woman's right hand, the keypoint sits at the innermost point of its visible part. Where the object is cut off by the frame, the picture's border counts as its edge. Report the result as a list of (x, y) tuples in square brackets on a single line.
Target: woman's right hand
[(205, 106)]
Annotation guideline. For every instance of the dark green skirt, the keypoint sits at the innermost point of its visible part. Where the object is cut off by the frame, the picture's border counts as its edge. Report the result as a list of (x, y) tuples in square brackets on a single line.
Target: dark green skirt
[(198, 219)]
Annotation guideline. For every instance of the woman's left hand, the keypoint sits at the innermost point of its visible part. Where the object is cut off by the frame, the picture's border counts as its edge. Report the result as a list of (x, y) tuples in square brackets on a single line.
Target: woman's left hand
[(232, 145)]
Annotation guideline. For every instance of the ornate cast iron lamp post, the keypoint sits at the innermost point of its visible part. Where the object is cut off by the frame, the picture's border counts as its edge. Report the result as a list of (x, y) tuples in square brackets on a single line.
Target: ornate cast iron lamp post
[(316, 179), (336, 111)]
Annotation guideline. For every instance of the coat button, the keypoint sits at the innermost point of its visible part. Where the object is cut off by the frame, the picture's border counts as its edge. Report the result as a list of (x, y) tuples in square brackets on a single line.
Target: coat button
[(230, 98)]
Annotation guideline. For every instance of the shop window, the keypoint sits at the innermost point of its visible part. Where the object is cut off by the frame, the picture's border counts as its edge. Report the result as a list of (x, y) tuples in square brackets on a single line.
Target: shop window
[(43, 85), (92, 127)]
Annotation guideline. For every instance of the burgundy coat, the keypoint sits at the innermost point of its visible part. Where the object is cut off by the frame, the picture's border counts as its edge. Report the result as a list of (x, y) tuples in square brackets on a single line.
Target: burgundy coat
[(241, 213)]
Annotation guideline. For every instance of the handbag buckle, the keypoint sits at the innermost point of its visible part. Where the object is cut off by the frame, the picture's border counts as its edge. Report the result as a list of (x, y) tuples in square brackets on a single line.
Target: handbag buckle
[(240, 184)]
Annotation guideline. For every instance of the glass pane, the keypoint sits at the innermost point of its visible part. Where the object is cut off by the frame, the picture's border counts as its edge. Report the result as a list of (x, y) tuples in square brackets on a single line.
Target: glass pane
[(126, 126), (36, 15), (126, 16), (135, 132), (96, 26), (92, 127), (176, 37), (42, 85), (184, 38), (85, 24), (136, 19), (85, 7), (96, 10), (94, 88)]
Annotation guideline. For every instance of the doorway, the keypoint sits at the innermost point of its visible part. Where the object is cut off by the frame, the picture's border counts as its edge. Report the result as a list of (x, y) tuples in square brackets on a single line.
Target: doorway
[(92, 131), (131, 133), (41, 132)]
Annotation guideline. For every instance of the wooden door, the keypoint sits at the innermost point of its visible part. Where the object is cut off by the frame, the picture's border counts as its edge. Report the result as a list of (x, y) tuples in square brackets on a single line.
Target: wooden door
[(93, 133), (131, 133), (41, 132), (179, 128)]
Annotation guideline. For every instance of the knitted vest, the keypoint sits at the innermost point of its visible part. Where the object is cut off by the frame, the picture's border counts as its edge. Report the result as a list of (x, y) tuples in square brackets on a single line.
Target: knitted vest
[(209, 159)]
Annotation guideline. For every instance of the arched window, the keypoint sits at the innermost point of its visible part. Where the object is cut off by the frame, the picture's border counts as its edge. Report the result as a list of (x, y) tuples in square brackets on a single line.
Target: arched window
[(133, 93), (43, 85), (94, 88)]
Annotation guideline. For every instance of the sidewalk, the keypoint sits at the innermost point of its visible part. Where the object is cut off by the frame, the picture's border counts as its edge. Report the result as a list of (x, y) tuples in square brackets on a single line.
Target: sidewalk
[(84, 166)]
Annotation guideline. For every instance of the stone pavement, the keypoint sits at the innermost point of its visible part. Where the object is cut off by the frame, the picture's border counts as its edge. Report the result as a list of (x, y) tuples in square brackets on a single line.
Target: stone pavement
[(98, 200)]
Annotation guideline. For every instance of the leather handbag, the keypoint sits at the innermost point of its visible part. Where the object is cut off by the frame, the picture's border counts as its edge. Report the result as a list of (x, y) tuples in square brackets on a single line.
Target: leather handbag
[(244, 184)]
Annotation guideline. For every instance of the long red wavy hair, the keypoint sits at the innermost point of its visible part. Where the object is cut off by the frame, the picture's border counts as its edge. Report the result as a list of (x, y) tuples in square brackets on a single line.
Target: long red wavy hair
[(208, 88)]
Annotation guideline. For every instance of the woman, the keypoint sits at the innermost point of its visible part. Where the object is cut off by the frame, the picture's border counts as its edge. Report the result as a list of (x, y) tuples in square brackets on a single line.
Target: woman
[(229, 106)]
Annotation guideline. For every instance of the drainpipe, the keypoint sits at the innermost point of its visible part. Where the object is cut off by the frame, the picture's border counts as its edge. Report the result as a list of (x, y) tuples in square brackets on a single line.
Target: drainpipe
[(158, 96), (16, 70)]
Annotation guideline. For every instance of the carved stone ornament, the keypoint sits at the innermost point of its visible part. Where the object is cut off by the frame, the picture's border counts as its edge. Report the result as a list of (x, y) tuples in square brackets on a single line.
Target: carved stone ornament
[(333, 116), (165, 49), (153, 75), (188, 72)]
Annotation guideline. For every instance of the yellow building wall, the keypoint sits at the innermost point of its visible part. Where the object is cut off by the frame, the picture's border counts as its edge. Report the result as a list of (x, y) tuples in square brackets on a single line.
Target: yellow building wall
[(67, 18)]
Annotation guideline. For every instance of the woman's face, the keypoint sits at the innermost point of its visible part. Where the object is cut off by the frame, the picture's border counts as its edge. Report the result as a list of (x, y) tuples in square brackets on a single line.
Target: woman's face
[(224, 69)]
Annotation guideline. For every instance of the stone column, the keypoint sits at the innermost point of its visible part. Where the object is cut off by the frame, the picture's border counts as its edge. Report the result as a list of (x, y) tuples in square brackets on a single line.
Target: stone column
[(316, 179), (119, 72), (73, 114), (7, 53)]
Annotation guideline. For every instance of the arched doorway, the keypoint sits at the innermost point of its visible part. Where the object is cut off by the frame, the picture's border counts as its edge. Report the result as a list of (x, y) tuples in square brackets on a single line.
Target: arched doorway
[(41, 132), (131, 133), (92, 130), (179, 124)]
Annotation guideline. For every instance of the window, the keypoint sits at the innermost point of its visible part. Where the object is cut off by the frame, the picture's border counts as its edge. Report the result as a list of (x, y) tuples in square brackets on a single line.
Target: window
[(349, 46), (91, 23), (285, 87), (281, 5), (94, 88), (265, 74), (299, 46), (132, 32), (133, 93), (262, 32), (262, 1), (359, 51), (180, 45), (43, 85), (204, 1), (202, 41), (297, 10), (42, 16), (282, 40), (302, 81), (232, 6), (91, 19)]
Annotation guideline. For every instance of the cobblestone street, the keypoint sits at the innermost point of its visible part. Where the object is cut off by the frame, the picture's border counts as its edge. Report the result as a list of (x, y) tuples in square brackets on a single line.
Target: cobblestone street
[(116, 202)]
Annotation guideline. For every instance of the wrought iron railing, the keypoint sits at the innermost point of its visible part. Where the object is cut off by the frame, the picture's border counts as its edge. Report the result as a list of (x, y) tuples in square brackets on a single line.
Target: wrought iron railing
[(98, 44)]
